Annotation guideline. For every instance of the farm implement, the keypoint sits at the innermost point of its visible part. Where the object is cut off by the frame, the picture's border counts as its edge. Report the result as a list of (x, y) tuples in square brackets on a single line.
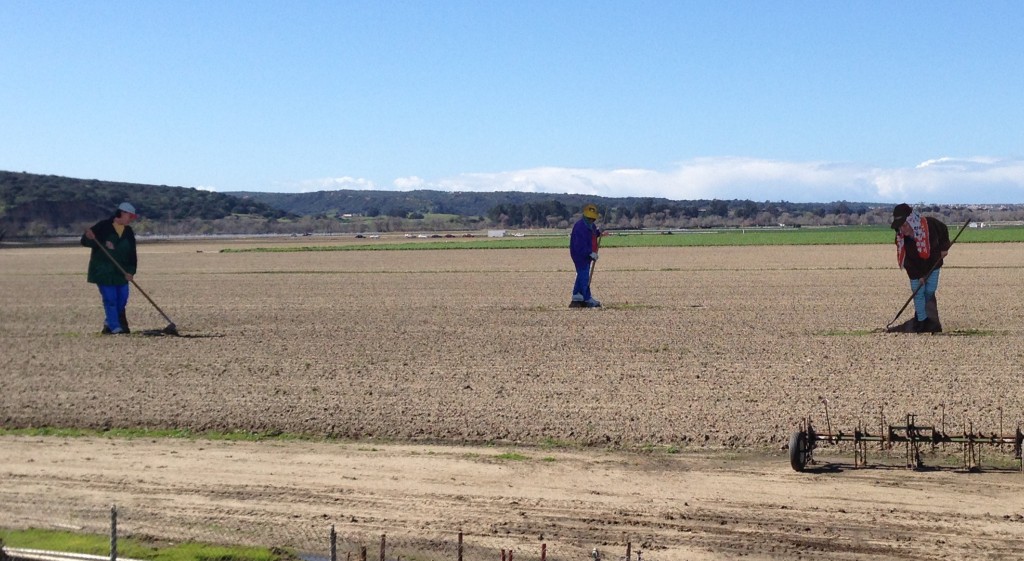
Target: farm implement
[(912, 436)]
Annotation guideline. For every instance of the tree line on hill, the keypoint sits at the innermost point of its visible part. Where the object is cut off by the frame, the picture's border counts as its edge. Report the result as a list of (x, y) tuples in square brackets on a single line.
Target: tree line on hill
[(33, 205), (663, 213), (39, 206)]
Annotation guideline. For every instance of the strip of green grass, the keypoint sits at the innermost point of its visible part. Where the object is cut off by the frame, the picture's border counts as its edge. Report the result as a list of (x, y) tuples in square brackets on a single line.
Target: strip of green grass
[(838, 235), (476, 243), (52, 540), (512, 456)]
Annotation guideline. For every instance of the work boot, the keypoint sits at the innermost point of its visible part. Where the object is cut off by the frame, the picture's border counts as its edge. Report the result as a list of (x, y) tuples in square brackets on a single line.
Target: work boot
[(928, 325), (123, 319), (931, 306), (577, 301), (106, 330)]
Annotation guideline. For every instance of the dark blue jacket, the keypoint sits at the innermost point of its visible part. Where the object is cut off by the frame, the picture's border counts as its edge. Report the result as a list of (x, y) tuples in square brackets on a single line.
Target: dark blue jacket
[(583, 241)]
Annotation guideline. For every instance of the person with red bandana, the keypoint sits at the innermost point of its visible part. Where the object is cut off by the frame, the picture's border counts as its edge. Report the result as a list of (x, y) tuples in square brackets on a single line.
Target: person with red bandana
[(921, 244)]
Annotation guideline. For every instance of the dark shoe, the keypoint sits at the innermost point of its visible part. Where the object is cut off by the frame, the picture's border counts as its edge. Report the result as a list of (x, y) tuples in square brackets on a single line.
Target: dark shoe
[(123, 319), (106, 330), (930, 326), (577, 304)]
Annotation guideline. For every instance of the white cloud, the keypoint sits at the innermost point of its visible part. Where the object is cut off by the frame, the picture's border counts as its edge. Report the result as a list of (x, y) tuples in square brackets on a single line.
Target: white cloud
[(957, 163), (408, 183), (938, 180), (942, 180), (330, 184), (549, 180), (977, 179)]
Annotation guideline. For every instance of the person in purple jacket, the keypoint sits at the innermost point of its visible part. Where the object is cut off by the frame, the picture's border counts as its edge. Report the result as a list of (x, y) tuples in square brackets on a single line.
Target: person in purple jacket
[(583, 245)]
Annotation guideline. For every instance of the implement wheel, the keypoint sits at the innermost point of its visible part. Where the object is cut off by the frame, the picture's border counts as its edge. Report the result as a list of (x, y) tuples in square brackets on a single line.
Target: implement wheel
[(799, 450)]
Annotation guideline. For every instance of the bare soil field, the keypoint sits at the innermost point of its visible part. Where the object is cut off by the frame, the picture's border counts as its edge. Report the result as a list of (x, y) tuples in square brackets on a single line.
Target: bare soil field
[(425, 367)]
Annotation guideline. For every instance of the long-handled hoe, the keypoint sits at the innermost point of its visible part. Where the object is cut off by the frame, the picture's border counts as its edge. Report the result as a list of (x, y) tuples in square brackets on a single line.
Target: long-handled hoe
[(171, 329)]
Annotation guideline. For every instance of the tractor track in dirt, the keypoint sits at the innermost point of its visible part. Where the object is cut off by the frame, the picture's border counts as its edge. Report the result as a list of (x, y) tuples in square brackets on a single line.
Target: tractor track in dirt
[(691, 506)]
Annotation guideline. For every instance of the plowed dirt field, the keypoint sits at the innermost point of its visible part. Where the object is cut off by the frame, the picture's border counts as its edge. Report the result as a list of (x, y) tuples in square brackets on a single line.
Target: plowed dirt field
[(460, 392)]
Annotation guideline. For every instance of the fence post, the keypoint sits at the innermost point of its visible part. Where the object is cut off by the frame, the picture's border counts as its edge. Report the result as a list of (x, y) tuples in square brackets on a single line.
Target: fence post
[(629, 549), (382, 547), (460, 545), (543, 552), (334, 544), (362, 553), (113, 533)]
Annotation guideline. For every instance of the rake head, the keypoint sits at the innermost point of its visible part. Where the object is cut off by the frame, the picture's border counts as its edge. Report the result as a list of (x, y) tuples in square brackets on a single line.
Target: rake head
[(171, 329)]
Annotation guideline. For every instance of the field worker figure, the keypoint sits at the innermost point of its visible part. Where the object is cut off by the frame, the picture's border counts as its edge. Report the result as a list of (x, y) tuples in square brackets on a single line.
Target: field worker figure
[(921, 244), (117, 237), (583, 244)]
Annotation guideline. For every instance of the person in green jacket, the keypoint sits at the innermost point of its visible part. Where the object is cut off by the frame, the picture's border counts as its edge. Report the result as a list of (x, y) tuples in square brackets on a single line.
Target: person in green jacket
[(116, 237)]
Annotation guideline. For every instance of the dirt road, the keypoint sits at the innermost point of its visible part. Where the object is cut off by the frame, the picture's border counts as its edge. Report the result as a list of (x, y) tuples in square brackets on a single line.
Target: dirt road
[(689, 506)]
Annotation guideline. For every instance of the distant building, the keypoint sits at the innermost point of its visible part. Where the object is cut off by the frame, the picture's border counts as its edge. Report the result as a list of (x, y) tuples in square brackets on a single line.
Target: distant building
[(495, 233)]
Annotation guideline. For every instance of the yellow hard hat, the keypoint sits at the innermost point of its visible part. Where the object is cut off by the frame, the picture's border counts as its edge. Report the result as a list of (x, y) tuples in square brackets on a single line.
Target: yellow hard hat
[(590, 211)]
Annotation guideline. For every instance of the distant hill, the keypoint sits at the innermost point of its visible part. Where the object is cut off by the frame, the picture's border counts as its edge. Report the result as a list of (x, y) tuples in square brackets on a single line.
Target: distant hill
[(529, 210), (423, 201), (32, 204), (35, 206)]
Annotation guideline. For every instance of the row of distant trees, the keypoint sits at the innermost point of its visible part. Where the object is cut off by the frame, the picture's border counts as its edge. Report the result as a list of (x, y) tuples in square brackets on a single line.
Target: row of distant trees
[(525, 219), (256, 225), (33, 206), (530, 216), (742, 213)]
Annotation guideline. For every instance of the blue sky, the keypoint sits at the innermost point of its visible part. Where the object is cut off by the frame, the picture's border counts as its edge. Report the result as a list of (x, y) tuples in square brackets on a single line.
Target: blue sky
[(879, 101)]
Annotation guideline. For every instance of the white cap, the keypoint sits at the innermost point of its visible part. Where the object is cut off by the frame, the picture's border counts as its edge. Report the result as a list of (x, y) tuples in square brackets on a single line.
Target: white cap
[(127, 207)]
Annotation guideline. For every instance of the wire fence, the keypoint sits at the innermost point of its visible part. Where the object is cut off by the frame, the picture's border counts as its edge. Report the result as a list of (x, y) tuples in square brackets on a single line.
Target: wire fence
[(317, 540)]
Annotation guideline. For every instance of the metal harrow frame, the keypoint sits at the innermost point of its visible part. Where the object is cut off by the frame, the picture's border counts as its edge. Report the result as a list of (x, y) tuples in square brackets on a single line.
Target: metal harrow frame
[(911, 435)]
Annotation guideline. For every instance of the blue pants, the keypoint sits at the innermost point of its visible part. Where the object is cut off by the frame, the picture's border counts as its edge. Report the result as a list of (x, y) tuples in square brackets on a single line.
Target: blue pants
[(115, 299), (931, 284), (582, 285)]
